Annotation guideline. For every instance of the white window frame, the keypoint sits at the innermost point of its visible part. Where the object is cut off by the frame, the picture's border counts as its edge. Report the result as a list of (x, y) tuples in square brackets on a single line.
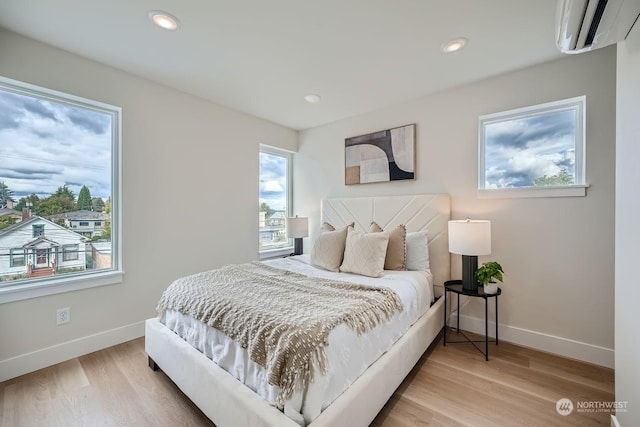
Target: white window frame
[(34, 288), (578, 189), (271, 253)]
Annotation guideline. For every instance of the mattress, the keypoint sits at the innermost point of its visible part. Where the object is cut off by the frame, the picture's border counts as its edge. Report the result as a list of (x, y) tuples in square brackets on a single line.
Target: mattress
[(348, 354)]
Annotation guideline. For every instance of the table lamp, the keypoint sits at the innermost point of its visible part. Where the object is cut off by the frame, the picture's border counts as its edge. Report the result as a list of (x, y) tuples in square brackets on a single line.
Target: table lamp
[(470, 238), (297, 227)]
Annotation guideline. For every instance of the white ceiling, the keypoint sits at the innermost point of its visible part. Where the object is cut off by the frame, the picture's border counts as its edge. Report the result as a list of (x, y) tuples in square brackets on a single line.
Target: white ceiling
[(261, 57)]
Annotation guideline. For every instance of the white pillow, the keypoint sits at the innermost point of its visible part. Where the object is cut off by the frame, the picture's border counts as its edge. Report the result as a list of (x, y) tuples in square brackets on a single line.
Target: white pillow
[(328, 249), (417, 251), (364, 253)]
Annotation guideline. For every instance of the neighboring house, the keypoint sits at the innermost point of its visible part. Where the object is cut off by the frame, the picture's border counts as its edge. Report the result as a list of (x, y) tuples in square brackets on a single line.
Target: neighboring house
[(37, 247), (101, 254), (11, 213), (87, 223), (277, 219)]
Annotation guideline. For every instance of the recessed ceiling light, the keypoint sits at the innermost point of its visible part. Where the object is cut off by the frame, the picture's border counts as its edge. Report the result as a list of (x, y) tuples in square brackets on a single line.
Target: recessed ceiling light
[(454, 45), (164, 20), (312, 98)]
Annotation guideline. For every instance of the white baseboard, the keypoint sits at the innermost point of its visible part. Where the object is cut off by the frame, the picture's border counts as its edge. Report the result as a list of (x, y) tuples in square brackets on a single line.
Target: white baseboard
[(29, 362), (544, 342)]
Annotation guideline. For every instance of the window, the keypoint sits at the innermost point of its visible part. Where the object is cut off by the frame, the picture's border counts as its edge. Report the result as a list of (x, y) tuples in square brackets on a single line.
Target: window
[(84, 223), (275, 201), (97, 223), (59, 154), (17, 258), (534, 151), (38, 230), (70, 252)]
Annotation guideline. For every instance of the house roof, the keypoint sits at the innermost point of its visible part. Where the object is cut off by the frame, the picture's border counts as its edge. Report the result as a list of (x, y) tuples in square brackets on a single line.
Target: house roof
[(31, 220), (7, 211), (80, 216), (37, 240)]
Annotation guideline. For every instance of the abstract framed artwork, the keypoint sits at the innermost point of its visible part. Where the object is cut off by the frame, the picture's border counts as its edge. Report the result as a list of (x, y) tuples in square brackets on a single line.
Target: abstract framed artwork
[(383, 156)]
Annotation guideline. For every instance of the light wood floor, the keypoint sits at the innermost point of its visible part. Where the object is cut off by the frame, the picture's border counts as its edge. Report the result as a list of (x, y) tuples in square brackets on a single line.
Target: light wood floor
[(450, 386)]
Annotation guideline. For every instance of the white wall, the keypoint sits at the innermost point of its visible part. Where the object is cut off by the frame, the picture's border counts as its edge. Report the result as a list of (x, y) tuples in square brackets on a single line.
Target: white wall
[(189, 202), (557, 252), (628, 228)]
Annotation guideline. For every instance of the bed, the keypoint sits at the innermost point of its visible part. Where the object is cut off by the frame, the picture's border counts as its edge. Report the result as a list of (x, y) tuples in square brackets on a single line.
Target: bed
[(228, 402)]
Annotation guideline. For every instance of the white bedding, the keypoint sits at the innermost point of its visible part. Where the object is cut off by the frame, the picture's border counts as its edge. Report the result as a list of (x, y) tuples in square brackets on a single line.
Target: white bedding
[(348, 355)]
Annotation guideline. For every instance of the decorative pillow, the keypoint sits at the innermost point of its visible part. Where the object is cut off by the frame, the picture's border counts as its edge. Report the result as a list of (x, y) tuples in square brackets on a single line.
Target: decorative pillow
[(328, 249), (328, 227), (396, 250), (364, 253), (417, 251)]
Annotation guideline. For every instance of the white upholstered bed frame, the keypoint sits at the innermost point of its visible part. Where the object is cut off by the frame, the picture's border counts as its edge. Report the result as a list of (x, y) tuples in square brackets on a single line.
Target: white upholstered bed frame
[(229, 403)]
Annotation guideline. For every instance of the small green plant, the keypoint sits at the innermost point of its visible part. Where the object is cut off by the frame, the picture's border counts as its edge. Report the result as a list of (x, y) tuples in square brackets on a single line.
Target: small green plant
[(489, 271)]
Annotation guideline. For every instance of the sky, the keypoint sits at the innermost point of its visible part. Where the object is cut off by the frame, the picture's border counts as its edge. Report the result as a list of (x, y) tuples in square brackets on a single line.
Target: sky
[(45, 144), (519, 151), (273, 181)]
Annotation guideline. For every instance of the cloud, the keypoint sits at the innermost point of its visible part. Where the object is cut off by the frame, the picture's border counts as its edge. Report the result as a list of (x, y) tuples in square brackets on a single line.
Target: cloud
[(523, 132), (46, 144), (520, 151), (271, 187), (90, 121), (273, 181)]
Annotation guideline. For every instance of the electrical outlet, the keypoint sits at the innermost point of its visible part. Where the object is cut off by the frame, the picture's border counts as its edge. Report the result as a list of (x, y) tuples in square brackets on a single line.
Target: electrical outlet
[(63, 315)]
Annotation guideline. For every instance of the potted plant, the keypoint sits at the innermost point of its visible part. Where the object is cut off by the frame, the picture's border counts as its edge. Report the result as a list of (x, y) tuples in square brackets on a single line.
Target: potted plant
[(487, 274)]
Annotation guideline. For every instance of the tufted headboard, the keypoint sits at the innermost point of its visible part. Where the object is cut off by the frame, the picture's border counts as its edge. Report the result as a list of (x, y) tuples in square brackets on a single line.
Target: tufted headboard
[(429, 212)]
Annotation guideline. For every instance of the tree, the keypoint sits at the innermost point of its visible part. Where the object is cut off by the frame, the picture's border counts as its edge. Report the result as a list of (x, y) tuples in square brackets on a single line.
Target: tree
[(59, 202), (54, 205), (64, 191), (33, 199), (264, 207), (6, 195), (84, 199), (562, 178), (97, 204), (107, 206), (106, 230), (6, 221)]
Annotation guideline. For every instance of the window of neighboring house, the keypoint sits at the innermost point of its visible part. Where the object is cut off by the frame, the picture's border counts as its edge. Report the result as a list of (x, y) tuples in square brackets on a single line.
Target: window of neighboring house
[(59, 154), (534, 151), (38, 230), (70, 252), (275, 201), (97, 223), (84, 223), (17, 258)]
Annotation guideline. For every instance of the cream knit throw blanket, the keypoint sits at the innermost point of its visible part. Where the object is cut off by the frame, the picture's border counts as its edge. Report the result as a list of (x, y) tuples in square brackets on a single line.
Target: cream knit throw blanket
[(281, 318)]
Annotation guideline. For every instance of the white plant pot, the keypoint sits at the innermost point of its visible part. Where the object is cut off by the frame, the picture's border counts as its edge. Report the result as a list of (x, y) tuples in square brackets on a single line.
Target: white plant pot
[(491, 288)]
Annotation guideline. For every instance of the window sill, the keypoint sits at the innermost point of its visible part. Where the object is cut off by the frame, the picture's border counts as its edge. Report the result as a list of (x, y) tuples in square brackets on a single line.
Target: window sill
[(531, 192), (274, 253), (34, 289)]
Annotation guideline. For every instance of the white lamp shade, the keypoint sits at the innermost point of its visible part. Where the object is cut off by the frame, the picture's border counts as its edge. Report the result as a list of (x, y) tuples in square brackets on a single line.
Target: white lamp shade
[(297, 227), (470, 237)]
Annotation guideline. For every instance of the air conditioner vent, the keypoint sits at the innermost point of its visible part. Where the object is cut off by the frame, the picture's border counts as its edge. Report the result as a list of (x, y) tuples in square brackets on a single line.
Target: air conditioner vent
[(597, 16), (584, 25)]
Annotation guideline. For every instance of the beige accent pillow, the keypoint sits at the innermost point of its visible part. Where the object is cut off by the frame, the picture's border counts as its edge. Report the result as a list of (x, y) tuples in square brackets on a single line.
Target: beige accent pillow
[(364, 253), (418, 251), (328, 249), (397, 249)]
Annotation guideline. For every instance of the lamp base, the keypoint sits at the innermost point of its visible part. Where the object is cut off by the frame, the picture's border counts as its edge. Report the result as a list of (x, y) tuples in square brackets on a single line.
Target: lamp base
[(469, 267), (297, 246)]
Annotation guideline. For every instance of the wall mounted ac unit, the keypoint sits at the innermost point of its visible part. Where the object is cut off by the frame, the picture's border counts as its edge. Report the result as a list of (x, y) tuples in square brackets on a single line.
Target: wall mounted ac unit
[(583, 25)]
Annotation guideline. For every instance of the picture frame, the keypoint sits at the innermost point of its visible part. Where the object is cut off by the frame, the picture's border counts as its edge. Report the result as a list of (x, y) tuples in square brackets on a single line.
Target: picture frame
[(382, 156)]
